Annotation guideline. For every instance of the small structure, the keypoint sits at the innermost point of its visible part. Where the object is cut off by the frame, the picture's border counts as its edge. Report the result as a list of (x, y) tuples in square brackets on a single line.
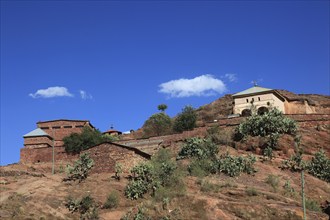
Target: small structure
[(112, 132), (37, 139), (258, 98), (39, 142)]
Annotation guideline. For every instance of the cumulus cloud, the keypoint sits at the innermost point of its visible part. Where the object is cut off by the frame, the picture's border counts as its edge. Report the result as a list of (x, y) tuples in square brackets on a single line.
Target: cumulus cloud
[(84, 95), (51, 92), (231, 77), (204, 85)]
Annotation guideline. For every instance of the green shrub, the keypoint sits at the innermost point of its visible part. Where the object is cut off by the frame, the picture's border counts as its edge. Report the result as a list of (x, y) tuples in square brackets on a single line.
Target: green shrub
[(199, 148), (295, 163), (273, 181), (112, 200), (251, 192), (86, 207), (141, 214), (319, 166), (80, 169), (158, 124), (271, 125), (161, 171), (313, 205), (289, 190), (136, 189), (118, 171), (268, 153), (186, 120), (233, 166)]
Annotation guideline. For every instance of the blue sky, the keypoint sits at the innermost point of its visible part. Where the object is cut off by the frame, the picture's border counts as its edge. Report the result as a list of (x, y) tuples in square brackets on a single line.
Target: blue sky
[(113, 62)]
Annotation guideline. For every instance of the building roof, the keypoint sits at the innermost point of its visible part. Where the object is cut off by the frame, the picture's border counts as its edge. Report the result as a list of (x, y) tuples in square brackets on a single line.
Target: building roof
[(252, 90), (112, 131), (36, 133), (63, 120)]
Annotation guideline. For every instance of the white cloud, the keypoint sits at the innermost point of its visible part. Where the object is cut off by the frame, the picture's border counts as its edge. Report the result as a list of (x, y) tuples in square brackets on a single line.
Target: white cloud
[(51, 92), (204, 85), (84, 95), (231, 77)]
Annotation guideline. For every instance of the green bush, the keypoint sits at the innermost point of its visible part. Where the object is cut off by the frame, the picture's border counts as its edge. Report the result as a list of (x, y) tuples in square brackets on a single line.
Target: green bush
[(271, 125), (158, 124), (74, 143), (80, 169), (251, 192), (161, 171), (313, 205), (199, 148), (233, 166), (118, 171), (268, 153), (319, 166), (86, 207), (295, 163), (112, 200), (186, 120)]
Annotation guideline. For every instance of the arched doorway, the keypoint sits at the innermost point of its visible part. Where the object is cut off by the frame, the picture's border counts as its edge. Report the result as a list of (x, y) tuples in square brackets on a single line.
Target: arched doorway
[(246, 112), (262, 110)]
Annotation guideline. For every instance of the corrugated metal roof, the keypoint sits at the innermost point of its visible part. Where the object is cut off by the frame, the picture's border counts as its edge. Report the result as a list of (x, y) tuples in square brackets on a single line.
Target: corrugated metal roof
[(252, 90), (35, 133)]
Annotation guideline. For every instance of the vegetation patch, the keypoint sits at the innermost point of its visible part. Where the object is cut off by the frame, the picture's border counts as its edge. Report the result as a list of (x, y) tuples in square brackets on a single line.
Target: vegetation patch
[(80, 170), (75, 142)]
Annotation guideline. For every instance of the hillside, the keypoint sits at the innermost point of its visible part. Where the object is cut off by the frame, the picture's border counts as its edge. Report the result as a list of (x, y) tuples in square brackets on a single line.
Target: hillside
[(32, 192)]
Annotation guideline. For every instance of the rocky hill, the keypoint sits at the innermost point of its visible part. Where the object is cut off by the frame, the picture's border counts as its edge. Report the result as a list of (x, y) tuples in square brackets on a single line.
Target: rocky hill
[(32, 192)]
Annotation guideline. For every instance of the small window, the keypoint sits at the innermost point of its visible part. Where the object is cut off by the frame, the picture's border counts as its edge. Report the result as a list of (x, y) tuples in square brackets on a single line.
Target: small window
[(252, 99), (79, 126), (44, 127), (56, 127), (247, 100), (258, 98), (67, 126)]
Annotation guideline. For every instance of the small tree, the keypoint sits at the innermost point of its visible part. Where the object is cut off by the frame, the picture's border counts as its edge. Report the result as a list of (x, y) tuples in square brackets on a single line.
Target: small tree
[(162, 107), (80, 169), (186, 120), (158, 124)]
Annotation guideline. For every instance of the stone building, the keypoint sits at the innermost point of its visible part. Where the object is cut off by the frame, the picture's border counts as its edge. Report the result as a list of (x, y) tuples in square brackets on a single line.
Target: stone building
[(261, 99), (39, 142), (38, 147)]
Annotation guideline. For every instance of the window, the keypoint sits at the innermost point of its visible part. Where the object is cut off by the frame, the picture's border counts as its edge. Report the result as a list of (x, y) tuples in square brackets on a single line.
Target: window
[(79, 126), (252, 99), (67, 126), (258, 98), (247, 100), (44, 127), (56, 127)]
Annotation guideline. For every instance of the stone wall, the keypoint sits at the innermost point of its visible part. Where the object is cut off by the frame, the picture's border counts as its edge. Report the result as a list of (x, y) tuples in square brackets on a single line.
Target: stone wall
[(105, 156), (37, 142)]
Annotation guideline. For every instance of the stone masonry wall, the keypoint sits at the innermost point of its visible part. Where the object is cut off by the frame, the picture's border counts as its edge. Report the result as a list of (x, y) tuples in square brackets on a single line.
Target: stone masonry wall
[(35, 142), (105, 157)]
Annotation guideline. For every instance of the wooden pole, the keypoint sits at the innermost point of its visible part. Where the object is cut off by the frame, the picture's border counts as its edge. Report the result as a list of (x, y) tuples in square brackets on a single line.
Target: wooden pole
[(303, 193)]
